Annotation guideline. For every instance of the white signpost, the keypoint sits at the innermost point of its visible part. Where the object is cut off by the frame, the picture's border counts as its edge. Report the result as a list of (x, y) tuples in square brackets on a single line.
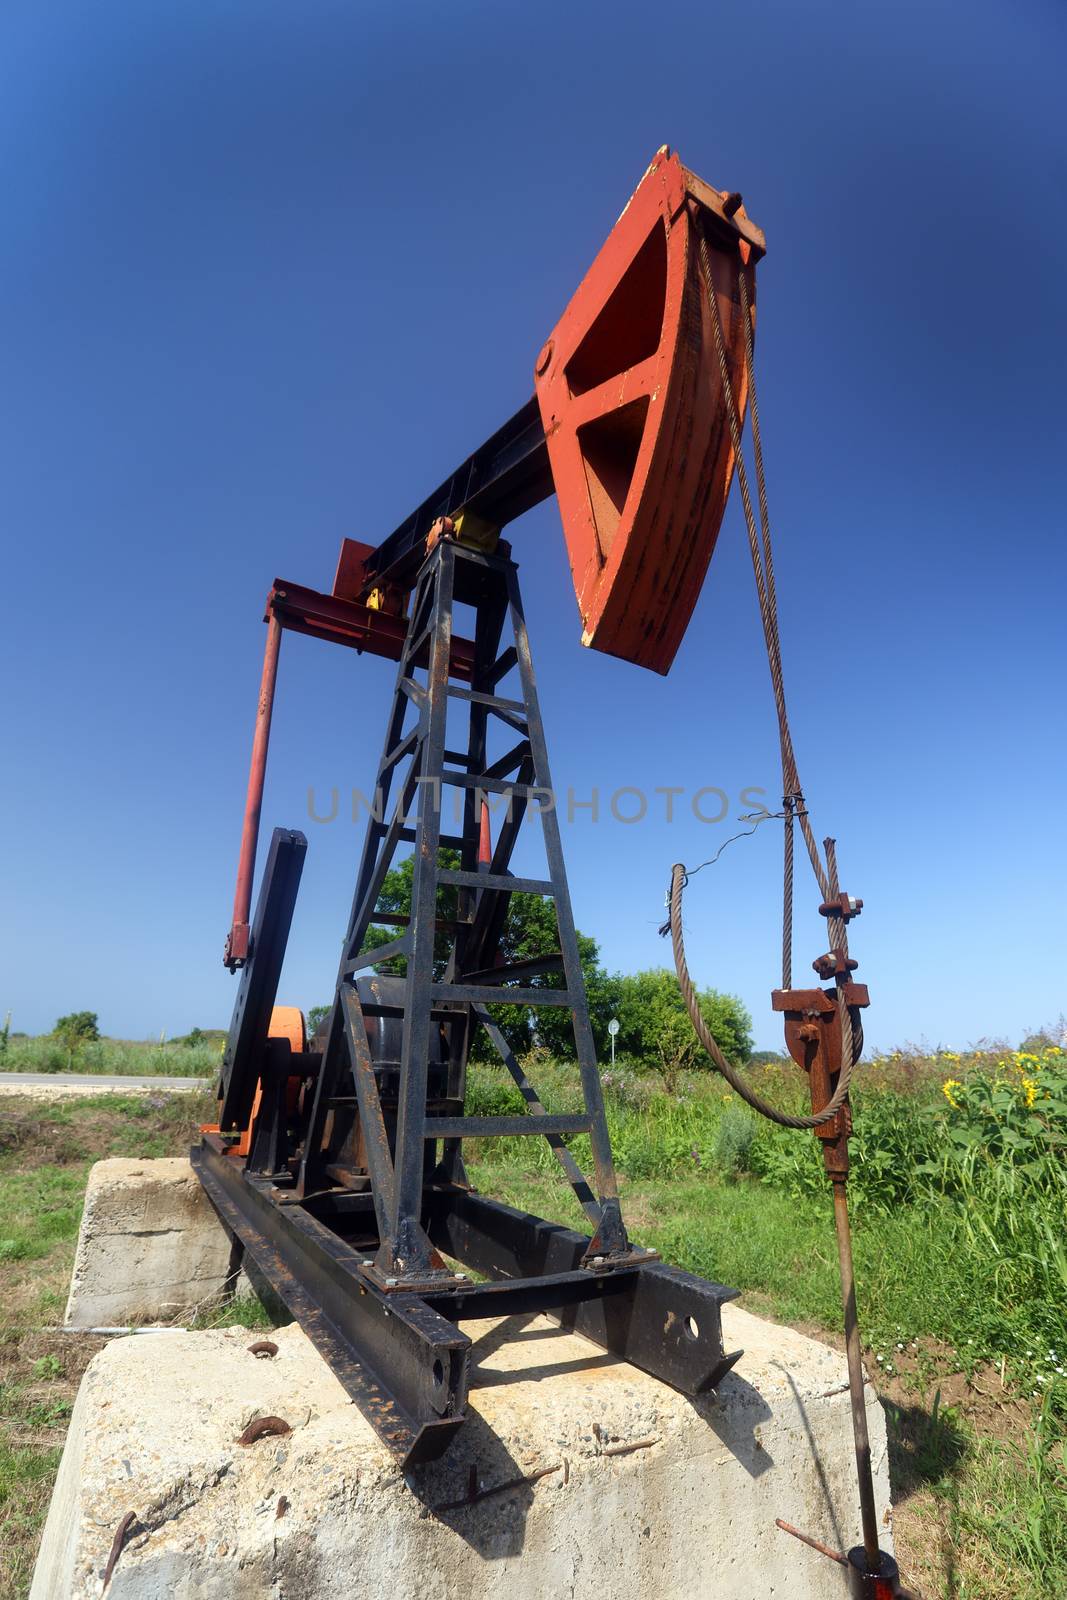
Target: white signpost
[(613, 1028)]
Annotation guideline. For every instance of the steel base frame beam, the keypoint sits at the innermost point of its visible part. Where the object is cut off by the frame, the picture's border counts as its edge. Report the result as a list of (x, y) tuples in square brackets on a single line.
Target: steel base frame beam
[(404, 1364), (401, 1355)]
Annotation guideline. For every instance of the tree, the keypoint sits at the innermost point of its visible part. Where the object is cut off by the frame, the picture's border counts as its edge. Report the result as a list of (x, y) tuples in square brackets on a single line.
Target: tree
[(74, 1030), (395, 896), (529, 932), (654, 1025), (80, 1025), (315, 1016)]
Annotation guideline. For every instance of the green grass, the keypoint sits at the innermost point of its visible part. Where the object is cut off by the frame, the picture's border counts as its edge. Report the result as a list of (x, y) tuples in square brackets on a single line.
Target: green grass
[(961, 1274), (46, 1150), (40, 1208), (26, 1477), (114, 1057)]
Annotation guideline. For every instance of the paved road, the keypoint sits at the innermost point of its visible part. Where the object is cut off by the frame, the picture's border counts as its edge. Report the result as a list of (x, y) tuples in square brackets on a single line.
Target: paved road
[(52, 1084)]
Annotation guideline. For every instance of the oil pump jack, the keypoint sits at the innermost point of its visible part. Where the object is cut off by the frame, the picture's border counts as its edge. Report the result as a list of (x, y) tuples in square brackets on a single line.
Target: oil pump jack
[(338, 1161)]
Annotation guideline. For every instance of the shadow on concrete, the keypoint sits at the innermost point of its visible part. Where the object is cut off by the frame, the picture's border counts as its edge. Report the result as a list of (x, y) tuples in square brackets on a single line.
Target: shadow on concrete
[(482, 1493), (734, 1413), (840, 1540), (479, 1491)]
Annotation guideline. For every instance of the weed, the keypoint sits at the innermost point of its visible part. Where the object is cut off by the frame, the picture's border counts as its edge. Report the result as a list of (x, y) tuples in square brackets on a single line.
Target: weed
[(735, 1140)]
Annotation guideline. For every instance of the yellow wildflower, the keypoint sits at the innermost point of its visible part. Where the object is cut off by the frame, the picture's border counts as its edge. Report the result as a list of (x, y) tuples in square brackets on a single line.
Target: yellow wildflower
[(948, 1089), (1030, 1087)]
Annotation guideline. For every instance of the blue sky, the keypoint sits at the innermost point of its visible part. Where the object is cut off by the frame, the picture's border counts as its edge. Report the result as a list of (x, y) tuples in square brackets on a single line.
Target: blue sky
[(270, 271)]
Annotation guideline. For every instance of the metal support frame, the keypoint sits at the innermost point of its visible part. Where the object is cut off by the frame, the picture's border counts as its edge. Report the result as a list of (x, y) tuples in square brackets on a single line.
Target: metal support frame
[(353, 1198), (399, 1168)]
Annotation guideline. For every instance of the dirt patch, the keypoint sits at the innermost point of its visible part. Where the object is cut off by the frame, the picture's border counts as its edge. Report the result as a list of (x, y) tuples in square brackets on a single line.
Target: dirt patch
[(38, 1142), (929, 1379), (42, 1372), (32, 1136)]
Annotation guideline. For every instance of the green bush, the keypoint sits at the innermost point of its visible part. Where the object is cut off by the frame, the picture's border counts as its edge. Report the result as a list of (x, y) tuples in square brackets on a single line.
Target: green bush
[(113, 1057), (894, 1136), (491, 1093)]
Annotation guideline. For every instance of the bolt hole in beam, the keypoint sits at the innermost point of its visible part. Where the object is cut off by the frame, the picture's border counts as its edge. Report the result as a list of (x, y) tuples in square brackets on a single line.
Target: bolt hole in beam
[(691, 1328)]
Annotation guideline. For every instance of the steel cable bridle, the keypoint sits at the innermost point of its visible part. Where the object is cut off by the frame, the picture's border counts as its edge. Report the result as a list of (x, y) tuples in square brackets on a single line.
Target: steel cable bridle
[(759, 540), (734, 1078), (825, 870)]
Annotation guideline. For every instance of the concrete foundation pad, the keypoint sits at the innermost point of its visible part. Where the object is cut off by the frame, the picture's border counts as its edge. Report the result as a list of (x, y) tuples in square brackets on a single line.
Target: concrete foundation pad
[(150, 1248), (574, 1476)]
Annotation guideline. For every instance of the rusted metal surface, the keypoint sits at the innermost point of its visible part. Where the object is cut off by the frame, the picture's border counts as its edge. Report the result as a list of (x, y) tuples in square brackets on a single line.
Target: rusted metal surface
[(350, 622), (854, 1357), (263, 1349), (264, 1428), (634, 413), (813, 1038), (236, 952), (815, 1544), (117, 1544), (350, 579)]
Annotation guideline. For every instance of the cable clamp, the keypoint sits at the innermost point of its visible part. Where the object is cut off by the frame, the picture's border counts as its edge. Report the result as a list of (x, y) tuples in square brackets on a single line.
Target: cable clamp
[(835, 964), (846, 906)]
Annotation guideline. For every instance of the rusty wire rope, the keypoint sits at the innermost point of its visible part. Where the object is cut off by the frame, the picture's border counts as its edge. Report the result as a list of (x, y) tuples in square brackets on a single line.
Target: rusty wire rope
[(794, 808)]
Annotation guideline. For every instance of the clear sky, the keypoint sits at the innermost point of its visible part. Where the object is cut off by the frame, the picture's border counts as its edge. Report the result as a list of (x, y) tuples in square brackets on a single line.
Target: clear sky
[(270, 270)]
